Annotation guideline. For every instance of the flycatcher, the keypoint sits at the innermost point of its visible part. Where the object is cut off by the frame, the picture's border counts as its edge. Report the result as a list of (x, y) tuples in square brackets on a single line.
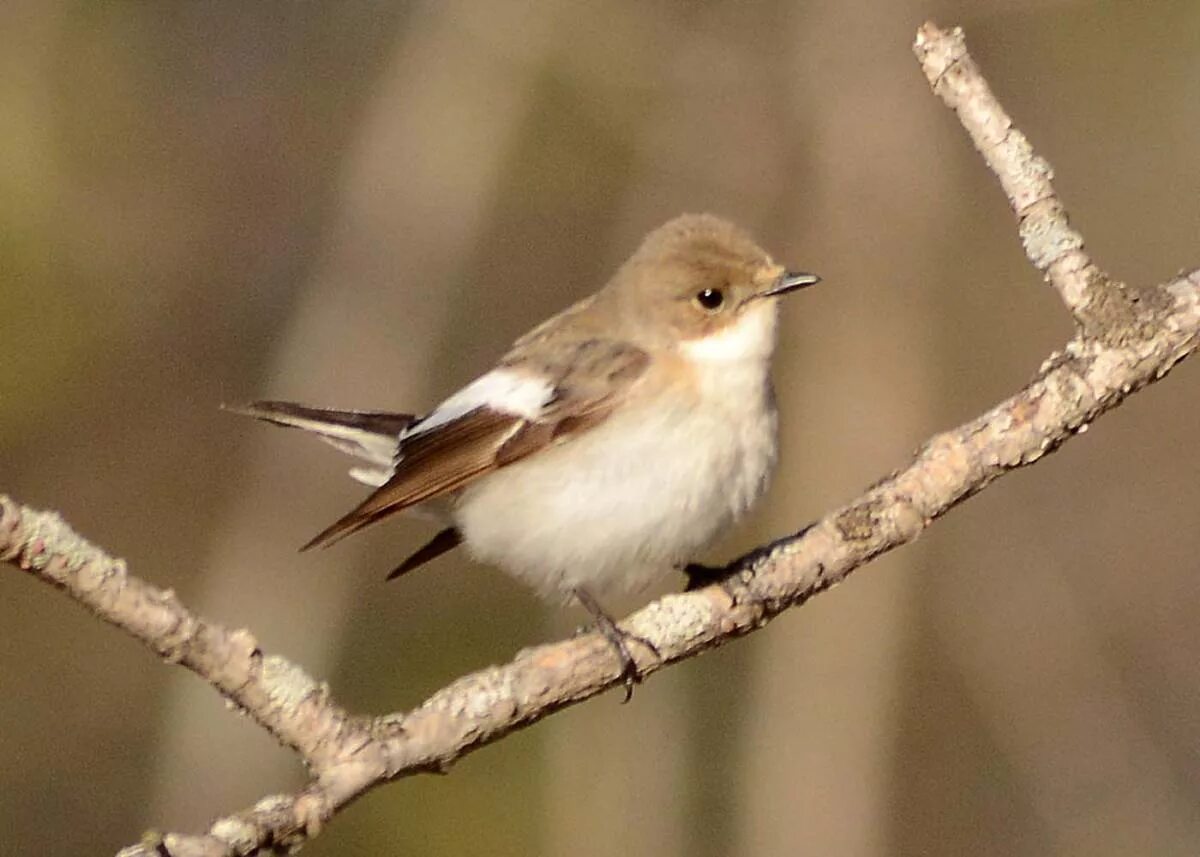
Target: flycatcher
[(609, 445)]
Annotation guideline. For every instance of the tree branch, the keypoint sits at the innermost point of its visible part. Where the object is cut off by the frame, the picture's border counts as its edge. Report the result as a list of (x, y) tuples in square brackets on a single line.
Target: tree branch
[(1126, 338)]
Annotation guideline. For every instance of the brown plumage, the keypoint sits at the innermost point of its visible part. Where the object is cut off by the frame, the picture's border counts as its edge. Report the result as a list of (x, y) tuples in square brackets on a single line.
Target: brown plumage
[(439, 461), (611, 442), (697, 279)]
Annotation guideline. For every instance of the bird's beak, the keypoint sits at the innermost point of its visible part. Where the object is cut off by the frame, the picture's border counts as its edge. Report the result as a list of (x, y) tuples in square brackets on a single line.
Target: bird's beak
[(790, 281)]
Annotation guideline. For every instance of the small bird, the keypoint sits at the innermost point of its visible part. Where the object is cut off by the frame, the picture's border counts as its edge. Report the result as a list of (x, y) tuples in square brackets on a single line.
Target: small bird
[(610, 444)]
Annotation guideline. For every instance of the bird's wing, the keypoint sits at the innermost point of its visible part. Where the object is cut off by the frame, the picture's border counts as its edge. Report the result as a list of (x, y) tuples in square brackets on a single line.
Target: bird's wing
[(515, 410)]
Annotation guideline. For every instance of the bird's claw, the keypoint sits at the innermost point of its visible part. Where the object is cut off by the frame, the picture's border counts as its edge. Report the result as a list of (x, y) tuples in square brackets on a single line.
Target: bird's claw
[(618, 639), (700, 576), (728, 577)]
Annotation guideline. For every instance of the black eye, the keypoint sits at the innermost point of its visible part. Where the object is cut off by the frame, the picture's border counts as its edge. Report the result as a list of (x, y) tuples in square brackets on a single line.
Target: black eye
[(710, 299)]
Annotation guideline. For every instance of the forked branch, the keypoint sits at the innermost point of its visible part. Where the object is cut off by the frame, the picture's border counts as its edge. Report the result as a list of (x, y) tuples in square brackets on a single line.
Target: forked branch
[(1126, 339)]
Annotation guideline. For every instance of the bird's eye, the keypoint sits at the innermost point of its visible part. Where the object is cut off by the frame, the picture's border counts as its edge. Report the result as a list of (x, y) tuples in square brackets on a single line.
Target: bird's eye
[(710, 299)]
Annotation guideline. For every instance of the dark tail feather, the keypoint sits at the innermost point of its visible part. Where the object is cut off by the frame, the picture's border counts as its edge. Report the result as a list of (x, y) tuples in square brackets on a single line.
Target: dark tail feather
[(447, 540), (293, 415), (373, 436)]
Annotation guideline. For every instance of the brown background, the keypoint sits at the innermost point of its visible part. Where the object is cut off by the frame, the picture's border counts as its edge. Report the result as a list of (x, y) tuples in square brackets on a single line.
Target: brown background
[(360, 204)]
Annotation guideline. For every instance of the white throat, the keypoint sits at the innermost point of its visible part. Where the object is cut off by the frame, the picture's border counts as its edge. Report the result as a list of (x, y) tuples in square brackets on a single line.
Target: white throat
[(750, 339)]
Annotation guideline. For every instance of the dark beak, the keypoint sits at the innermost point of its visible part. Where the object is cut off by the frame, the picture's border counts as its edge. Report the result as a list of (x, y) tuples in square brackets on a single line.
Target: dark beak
[(790, 282)]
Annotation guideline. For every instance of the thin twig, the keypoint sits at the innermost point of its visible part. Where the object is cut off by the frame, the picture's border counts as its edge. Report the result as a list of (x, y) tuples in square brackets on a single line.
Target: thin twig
[(1127, 339), (1055, 248)]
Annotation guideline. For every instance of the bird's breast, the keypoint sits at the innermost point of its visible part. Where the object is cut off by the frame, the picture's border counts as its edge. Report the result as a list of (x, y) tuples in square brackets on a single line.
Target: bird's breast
[(621, 503)]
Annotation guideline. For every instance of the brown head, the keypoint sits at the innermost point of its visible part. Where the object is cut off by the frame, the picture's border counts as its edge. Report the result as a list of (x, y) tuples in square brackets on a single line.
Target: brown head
[(694, 277)]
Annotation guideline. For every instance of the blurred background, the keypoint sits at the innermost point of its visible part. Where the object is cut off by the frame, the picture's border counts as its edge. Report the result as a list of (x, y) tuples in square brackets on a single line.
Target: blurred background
[(361, 204)]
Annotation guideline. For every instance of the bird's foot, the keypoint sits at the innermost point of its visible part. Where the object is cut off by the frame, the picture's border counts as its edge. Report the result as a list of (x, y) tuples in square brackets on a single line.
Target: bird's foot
[(724, 576), (736, 577), (618, 639), (700, 576)]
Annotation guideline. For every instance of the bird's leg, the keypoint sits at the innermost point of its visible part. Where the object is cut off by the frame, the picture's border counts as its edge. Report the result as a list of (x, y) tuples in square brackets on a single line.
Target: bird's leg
[(616, 638)]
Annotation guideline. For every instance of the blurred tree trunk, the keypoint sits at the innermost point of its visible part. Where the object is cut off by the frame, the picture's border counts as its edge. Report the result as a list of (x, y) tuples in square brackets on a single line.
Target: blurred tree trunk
[(818, 745), (366, 333)]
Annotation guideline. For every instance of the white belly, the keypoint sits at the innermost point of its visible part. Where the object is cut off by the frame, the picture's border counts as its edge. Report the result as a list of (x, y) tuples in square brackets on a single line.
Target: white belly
[(625, 502)]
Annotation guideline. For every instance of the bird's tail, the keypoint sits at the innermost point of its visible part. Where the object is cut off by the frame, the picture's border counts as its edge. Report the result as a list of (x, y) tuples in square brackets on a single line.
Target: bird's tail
[(373, 436)]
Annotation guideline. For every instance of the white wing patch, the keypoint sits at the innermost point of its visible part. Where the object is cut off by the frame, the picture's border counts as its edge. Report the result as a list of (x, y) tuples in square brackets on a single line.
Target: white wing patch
[(373, 476), (504, 390), (378, 449)]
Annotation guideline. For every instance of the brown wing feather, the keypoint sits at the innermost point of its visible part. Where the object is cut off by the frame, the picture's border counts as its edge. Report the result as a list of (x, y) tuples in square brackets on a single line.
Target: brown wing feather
[(430, 464), (591, 377)]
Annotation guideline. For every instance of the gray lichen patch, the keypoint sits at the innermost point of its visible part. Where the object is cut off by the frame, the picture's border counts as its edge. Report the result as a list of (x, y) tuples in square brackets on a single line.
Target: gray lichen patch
[(1026, 175), (674, 619), (1119, 315), (476, 695), (860, 522), (240, 835), (1045, 233), (43, 537), (287, 684), (274, 803)]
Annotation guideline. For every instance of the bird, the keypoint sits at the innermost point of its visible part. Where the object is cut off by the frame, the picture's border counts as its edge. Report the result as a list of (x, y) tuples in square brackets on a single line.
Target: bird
[(610, 443)]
